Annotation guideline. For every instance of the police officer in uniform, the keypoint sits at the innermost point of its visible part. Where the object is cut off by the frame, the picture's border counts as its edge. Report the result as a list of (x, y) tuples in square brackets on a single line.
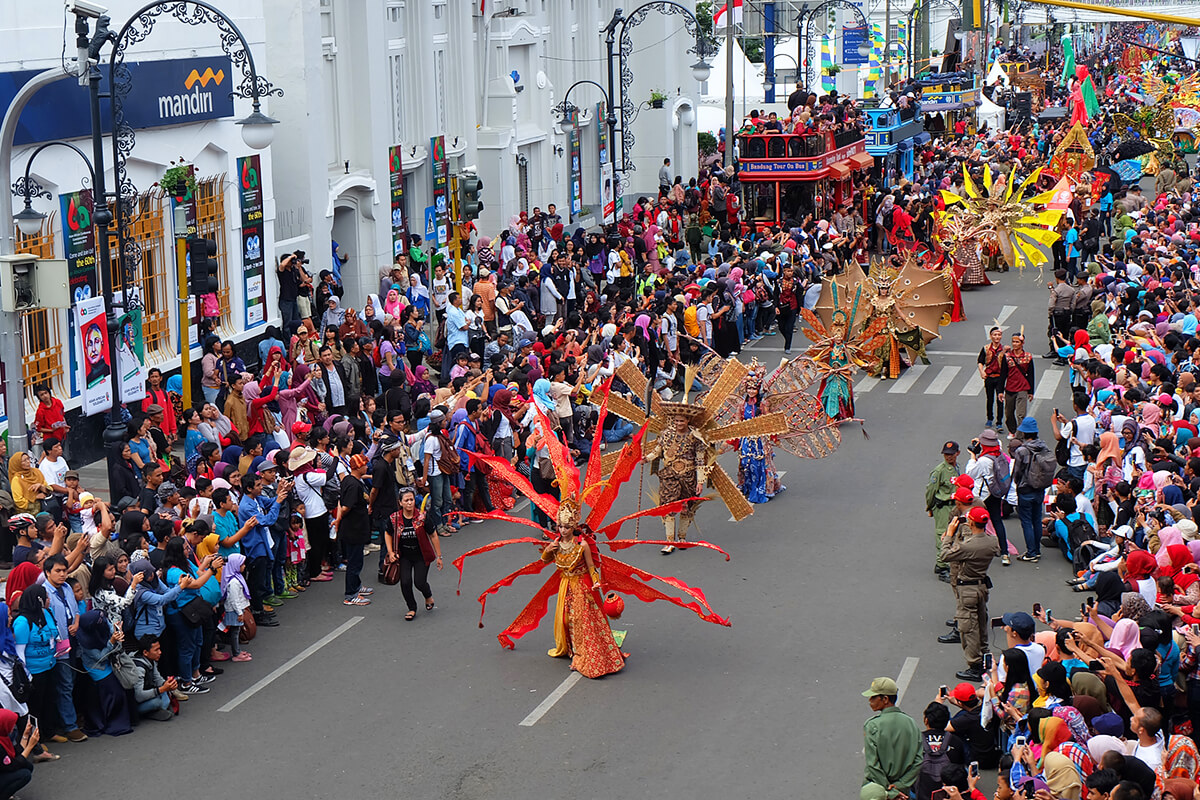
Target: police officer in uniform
[(939, 503), (973, 552)]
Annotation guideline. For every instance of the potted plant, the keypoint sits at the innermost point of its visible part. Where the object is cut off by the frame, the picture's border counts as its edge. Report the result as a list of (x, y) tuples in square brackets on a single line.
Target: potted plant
[(179, 180), (832, 70), (657, 98)]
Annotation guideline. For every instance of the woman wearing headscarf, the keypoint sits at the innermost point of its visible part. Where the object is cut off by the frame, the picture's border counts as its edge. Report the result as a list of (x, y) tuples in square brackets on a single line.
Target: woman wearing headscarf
[(1178, 789), (646, 341), (1139, 569), (1090, 685), (102, 701), (392, 306), (485, 254), (36, 637), (16, 771), (1098, 329), (256, 407), (28, 484), (334, 314)]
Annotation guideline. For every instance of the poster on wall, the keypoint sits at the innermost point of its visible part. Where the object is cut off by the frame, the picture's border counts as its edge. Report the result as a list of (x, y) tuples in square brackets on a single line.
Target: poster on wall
[(396, 182), (250, 194), (576, 174), (95, 361), (441, 183), (607, 190), (131, 356), (79, 244)]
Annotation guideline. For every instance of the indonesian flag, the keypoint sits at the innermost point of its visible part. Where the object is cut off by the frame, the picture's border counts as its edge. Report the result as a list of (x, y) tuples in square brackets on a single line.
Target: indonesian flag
[(722, 14)]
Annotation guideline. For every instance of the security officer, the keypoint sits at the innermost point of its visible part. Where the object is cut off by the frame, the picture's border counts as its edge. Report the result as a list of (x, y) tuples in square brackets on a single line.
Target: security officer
[(964, 499), (939, 501), (973, 553)]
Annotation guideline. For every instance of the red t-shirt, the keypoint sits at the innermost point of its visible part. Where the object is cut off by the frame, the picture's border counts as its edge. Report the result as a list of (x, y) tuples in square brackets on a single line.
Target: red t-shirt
[(49, 418)]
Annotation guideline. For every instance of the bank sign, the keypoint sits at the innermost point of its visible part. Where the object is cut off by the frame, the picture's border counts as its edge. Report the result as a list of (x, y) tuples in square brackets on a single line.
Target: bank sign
[(172, 92)]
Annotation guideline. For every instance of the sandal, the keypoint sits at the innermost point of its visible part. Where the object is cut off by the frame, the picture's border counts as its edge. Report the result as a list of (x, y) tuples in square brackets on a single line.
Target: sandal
[(300, 587), (430, 605), (410, 616), (46, 756)]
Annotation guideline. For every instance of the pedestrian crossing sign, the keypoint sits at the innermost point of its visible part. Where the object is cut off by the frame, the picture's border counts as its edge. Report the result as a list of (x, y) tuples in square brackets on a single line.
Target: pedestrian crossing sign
[(431, 226)]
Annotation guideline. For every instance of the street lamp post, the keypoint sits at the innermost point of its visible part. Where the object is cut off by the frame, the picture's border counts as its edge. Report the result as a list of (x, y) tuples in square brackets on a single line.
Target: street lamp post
[(566, 120), (770, 75)]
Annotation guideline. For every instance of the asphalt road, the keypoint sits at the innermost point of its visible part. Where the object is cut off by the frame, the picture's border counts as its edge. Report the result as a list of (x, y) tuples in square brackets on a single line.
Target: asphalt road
[(830, 585)]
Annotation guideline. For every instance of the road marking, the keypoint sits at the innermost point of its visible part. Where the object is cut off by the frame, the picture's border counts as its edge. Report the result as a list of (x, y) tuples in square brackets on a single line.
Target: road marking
[(1048, 385), (291, 663), (866, 384), (941, 381), (974, 386), (906, 381), (550, 700), (905, 677)]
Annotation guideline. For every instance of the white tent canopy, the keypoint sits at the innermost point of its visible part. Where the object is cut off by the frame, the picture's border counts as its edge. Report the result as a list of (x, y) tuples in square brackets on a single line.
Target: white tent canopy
[(747, 77)]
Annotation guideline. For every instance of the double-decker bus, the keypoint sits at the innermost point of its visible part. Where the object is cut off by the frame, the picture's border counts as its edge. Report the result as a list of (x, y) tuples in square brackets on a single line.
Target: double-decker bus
[(788, 176)]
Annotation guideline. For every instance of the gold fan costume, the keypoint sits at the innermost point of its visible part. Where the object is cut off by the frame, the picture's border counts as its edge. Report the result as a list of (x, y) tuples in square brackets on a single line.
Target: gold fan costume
[(684, 466)]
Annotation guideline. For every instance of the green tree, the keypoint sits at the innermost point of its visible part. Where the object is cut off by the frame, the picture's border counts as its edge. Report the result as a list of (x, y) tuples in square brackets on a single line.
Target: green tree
[(706, 143)]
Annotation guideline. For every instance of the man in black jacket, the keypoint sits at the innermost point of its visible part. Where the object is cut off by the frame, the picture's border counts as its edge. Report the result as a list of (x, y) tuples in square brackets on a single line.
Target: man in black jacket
[(334, 387)]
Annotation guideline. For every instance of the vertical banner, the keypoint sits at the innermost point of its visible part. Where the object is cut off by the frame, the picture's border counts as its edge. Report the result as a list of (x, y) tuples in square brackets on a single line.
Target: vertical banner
[(396, 182), (606, 171), (576, 174), (607, 192), (95, 361), (253, 264), (79, 244), (131, 356), (441, 184)]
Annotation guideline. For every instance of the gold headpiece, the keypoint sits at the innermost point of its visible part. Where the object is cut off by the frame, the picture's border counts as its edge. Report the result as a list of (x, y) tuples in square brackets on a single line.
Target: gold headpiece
[(568, 512)]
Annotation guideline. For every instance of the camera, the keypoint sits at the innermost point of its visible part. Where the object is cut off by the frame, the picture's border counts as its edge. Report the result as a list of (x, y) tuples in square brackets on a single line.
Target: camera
[(85, 8), (300, 256)]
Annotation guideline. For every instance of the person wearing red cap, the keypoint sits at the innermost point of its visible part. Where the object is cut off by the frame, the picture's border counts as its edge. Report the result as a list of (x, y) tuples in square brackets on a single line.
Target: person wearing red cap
[(973, 552), (939, 500), (966, 725)]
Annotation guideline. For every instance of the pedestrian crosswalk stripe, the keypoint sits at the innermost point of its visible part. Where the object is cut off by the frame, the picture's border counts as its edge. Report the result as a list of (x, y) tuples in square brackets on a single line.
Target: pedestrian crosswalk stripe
[(866, 384), (942, 380), (1048, 385), (974, 386), (906, 381)]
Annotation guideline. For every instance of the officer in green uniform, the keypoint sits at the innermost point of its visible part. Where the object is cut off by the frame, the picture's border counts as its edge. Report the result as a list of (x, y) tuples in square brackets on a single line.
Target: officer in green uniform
[(939, 503), (973, 553)]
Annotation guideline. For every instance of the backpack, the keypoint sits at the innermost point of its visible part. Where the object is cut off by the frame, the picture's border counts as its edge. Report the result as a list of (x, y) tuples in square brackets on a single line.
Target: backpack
[(1062, 449), (1043, 465), (1001, 477), (691, 322), (933, 762), (718, 193), (888, 217), (1079, 531)]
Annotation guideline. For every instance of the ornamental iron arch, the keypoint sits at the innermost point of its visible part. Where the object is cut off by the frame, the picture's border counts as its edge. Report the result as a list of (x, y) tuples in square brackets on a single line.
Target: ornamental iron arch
[(806, 21), (918, 8)]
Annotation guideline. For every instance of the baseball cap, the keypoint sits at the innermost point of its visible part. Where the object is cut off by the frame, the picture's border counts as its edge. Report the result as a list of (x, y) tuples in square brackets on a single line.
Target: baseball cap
[(964, 496), (300, 426), (71, 473), (949, 448), (86, 497), (964, 482), (1021, 623), (978, 515), (1108, 724), (882, 686), (963, 693)]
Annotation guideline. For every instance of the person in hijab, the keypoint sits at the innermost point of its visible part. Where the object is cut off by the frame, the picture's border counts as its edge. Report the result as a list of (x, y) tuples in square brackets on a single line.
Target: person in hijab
[(122, 474), (1108, 588), (334, 314), (1178, 789), (28, 484), (256, 404), (16, 771), (102, 701), (1139, 569), (421, 383), (235, 594)]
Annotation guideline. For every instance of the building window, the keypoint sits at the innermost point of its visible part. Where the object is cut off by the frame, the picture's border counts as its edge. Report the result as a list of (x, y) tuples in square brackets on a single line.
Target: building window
[(151, 278), (398, 98), (210, 224), (439, 86), (523, 183), (41, 344)]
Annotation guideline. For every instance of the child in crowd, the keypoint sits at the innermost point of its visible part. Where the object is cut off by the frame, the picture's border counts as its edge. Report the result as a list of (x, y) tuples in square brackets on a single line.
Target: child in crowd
[(235, 594)]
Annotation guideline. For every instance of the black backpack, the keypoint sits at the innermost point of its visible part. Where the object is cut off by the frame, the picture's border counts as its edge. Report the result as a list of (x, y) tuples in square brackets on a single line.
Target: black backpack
[(1062, 449), (933, 762), (1078, 532)]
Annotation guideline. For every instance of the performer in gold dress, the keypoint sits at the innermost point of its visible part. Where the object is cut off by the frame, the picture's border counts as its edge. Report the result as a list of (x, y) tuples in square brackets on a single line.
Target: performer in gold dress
[(684, 467), (581, 630)]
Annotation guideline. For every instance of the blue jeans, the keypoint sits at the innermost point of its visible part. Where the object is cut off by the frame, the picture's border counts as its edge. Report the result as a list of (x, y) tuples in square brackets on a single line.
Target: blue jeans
[(1077, 472), (440, 500), (737, 319), (65, 680), (1029, 510), (279, 585), (160, 703), (210, 393), (751, 316), (189, 641)]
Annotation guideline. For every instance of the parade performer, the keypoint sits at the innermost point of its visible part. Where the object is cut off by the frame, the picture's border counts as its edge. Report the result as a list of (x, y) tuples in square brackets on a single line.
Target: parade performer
[(686, 460), (585, 582), (757, 477), (837, 351)]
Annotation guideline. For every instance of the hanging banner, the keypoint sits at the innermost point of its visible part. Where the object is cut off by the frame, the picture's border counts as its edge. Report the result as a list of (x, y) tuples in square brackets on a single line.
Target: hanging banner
[(576, 174), (131, 357), (253, 264), (95, 361), (441, 183), (396, 181), (79, 244), (607, 192)]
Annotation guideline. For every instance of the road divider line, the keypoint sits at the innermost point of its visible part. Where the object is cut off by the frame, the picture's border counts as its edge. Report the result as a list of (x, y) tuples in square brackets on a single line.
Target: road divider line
[(1048, 385), (941, 381), (866, 384), (552, 698), (974, 386), (906, 380), (905, 677), (291, 663)]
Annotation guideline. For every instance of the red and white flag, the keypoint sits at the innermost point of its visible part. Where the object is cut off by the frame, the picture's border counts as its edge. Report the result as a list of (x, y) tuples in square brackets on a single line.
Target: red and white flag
[(722, 14)]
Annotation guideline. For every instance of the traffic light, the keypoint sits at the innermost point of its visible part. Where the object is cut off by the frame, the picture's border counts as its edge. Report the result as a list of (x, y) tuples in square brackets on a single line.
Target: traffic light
[(469, 204), (201, 253)]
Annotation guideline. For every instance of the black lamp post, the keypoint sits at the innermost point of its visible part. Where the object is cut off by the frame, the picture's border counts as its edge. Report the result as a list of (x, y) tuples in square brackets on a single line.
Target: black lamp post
[(566, 110)]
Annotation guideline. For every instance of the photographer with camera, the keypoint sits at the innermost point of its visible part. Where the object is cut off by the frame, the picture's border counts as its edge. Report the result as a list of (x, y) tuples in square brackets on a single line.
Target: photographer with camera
[(289, 273)]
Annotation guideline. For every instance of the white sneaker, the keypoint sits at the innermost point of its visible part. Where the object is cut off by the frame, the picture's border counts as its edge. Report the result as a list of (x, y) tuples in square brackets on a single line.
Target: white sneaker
[(372, 548)]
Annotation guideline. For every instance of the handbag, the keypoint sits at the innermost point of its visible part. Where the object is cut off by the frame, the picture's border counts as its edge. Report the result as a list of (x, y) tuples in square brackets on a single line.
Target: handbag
[(249, 626), (390, 574), (195, 610), (21, 684)]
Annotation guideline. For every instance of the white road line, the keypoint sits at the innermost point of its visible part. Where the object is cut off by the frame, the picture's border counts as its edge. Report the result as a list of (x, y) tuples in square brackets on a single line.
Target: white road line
[(905, 677), (1048, 385), (906, 381), (866, 384), (292, 662), (974, 386), (941, 381), (550, 700)]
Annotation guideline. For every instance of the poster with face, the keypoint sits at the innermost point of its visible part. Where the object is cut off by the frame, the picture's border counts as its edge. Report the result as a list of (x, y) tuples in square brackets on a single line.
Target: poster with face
[(94, 359), (131, 357)]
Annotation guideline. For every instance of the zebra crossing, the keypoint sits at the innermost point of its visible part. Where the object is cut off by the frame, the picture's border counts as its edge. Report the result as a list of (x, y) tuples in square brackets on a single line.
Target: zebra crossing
[(949, 380)]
